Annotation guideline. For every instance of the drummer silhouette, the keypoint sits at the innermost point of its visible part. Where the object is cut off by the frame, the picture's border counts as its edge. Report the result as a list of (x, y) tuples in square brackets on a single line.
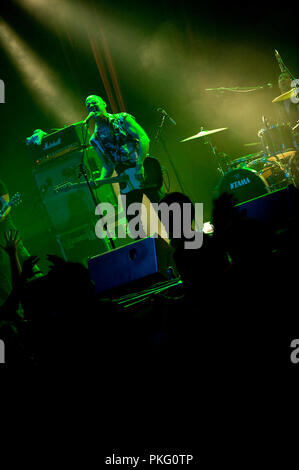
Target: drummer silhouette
[(289, 110)]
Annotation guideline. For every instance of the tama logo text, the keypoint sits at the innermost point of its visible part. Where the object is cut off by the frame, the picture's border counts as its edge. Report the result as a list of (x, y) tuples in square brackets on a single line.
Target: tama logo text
[(239, 183)]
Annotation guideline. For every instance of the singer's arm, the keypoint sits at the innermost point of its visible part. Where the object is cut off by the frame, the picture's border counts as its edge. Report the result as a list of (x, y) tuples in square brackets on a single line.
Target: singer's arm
[(136, 131)]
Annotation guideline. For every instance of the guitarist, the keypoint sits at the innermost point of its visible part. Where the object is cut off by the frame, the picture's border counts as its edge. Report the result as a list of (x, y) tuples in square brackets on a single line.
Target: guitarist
[(4, 197), (6, 224), (121, 143)]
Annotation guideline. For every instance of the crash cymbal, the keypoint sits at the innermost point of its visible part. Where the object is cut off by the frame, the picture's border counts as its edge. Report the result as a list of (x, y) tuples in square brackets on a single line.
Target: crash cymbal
[(204, 134), (285, 96)]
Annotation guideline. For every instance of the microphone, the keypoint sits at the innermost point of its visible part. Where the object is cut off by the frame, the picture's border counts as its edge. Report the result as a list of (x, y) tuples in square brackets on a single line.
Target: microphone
[(164, 113), (91, 115)]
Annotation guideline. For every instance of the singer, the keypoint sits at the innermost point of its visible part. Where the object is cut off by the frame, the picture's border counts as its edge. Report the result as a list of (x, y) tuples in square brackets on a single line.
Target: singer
[(122, 145)]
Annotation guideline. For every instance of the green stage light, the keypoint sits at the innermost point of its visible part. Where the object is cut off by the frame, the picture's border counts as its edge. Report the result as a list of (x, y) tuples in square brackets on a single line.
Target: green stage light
[(42, 81)]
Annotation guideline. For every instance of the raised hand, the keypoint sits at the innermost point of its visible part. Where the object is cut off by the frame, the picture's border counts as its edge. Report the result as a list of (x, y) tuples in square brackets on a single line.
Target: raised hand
[(28, 270), (56, 261), (12, 241)]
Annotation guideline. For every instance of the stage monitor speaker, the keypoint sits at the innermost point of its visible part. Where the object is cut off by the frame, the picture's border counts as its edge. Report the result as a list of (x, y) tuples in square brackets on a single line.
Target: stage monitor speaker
[(144, 260), (275, 209)]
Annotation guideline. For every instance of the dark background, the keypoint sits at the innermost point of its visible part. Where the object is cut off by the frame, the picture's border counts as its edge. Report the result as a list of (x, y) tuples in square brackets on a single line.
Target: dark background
[(138, 56)]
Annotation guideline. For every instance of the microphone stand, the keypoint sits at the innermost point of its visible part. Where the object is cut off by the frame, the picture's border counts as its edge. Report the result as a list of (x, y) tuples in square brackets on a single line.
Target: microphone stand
[(84, 174), (158, 137)]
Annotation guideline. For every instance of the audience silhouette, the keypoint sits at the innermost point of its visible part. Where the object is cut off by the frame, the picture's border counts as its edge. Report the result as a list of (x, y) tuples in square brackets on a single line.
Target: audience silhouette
[(236, 305)]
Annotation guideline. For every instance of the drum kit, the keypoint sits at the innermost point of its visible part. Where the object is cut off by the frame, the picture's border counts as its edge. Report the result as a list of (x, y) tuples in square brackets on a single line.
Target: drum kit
[(274, 167)]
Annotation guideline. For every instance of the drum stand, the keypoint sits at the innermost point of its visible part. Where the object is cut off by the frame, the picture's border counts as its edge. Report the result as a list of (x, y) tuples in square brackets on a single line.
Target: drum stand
[(207, 141), (286, 169)]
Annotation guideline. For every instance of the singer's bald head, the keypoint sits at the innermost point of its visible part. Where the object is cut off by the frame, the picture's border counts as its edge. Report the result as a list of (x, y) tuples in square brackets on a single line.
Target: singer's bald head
[(95, 103)]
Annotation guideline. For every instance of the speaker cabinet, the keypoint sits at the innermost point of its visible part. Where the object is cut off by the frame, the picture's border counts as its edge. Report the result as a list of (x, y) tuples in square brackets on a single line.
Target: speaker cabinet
[(275, 209), (146, 259)]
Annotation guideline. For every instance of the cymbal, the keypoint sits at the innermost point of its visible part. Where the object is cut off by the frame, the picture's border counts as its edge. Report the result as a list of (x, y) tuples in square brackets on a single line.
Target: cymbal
[(285, 96), (204, 134)]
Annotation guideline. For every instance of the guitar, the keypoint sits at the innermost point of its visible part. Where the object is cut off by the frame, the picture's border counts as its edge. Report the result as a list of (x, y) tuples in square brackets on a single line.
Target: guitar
[(128, 182), (6, 204)]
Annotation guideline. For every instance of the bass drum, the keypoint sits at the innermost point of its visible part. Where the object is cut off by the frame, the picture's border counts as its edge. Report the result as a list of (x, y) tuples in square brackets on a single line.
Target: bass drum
[(243, 183)]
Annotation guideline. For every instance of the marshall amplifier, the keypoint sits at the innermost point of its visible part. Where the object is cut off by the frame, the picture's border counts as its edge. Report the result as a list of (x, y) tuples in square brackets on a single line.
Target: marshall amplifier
[(66, 210), (68, 139), (74, 207)]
